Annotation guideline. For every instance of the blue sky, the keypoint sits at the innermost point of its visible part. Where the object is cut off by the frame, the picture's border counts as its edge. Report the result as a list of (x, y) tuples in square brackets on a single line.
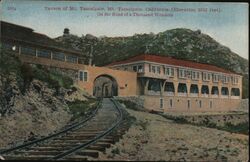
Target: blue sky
[(229, 26)]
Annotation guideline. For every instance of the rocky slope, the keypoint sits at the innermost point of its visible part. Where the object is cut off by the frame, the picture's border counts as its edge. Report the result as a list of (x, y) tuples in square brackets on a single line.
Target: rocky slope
[(178, 43), (33, 100), (36, 113)]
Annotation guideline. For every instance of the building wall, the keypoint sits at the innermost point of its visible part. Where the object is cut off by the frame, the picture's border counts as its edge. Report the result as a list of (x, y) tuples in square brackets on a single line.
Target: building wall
[(188, 80), (127, 86), (126, 81), (180, 104)]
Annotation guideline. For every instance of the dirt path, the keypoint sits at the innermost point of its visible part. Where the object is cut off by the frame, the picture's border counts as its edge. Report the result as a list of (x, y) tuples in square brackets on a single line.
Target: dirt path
[(153, 137)]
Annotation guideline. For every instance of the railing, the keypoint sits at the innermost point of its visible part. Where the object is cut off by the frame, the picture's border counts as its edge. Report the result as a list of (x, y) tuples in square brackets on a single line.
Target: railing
[(150, 92), (224, 96), (168, 93), (31, 51), (235, 97), (214, 96), (182, 94), (204, 95), (193, 94)]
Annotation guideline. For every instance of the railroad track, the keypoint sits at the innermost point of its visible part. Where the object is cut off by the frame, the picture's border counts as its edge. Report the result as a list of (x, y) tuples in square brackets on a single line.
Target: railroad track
[(81, 141)]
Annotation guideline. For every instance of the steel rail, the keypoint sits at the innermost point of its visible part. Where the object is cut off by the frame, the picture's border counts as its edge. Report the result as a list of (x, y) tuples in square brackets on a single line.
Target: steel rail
[(53, 135), (94, 140)]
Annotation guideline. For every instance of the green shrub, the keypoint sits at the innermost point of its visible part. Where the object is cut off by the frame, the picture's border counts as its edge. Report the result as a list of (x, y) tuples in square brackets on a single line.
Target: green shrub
[(67, 82), (237, 128), (54, 78), (116, 151), (80, 108)]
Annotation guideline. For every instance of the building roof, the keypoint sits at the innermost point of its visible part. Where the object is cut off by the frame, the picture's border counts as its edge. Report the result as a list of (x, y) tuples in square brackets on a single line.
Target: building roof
[(171, 61), (23, 34)]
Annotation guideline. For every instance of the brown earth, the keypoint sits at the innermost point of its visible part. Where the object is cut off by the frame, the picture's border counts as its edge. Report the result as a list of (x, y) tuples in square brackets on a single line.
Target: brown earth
[(153, 137), (37, 113)]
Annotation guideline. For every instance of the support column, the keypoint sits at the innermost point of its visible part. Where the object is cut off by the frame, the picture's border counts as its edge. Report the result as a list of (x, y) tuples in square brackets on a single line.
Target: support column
[(36, 53), (19, 50), (176, 88), (146, 87), (188, 89), (229, 92), (219, 88), (199, 90), (65, 58), (162, 88), (51, 55), (210, 90)]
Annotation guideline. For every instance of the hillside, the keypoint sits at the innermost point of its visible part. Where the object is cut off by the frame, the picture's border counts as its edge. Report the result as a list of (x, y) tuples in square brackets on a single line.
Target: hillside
[(179, 43), (35, 101)]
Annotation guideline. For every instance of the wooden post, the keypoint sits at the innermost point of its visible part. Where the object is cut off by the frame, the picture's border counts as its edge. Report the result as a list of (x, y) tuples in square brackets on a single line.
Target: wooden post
[(51, 55)]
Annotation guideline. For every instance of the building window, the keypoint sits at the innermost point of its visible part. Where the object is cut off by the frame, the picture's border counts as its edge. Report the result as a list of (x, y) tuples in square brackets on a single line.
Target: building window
[(194, 88), (169, 71), (188, 104), (153, 69), (161, 103), (215, 77), (210, 104), (169, 87), (58, 56), (72, 59), (235, 80), (135, 68), (200, 103), (158, 69), (204, 89), (195, 75), (81, 76), (140, 68), (224, 91), (10, 47), (235, 92), (43, 53), (182, 73), (85, 76), (182, 88), (215, 90), (154, 85), (188, 73), (171, 103), (28, 51), (206, 76), (225, 79)]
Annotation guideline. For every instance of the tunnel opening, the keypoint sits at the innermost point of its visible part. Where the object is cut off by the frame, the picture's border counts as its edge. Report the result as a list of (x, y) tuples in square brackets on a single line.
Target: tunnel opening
[(105, 86)]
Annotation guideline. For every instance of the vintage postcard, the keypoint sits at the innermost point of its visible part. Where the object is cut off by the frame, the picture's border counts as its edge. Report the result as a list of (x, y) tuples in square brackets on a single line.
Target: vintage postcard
[(113, 80)]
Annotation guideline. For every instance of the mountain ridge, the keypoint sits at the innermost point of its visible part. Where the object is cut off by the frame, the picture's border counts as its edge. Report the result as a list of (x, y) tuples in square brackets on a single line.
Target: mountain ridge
[(180, 43)]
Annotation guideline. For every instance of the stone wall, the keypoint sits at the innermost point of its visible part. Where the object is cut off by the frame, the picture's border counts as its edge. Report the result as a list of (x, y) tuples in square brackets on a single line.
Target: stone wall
[(244, 105)]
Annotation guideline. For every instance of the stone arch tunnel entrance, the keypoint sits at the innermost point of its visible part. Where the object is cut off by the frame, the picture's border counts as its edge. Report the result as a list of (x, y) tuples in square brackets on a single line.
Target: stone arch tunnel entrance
[(105, 86)]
